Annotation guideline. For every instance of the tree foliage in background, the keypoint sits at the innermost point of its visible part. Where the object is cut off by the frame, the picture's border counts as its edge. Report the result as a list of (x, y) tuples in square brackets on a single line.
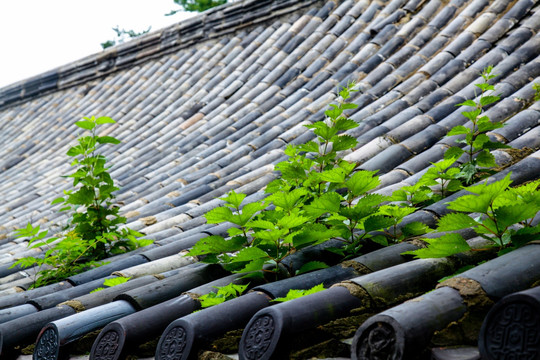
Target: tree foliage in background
[(123, 35), (196, 5)]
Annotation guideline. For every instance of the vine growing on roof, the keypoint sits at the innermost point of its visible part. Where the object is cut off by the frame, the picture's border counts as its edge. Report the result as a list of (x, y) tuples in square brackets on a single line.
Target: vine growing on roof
[(94, 230)]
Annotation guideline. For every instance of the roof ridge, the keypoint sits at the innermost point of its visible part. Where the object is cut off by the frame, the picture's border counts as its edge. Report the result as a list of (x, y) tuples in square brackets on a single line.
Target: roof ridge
[(211, 24)]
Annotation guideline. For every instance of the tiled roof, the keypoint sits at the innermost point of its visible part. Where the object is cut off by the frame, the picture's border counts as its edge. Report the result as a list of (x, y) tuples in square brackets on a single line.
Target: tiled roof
[(208, 105)]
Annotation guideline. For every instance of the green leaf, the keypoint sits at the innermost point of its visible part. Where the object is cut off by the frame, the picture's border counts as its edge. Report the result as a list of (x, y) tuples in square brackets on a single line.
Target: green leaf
[(343, 142), (216, 245), (57, 201), (334, 112), (218, 215), (361, 182), (486, 159), (486, 100), (415, 228), (313, 234), (343, 124), (288, 200), (467, 103), (327, 202), (446, 245), (115, 281), (335, 175), (311, 266), (453, 153), (458, 130), (83, 196), (455, 221), (471, 203), (324, 131), (234, 199), (249, 254), (377, 222), (310, 146), (472, 115), (509, 215), (295, 294), (291, 221), (85, 124), (104, 120), (108, 140)]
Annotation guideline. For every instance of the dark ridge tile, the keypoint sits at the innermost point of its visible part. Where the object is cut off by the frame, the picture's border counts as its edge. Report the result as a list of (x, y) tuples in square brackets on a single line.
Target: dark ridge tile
[(293, 44), (497, 31), (317, 80), (315, 67), (391, 46), (433, 99), (504, 109), (343, 75), (325, 10), (386, 84), (381, 115), (448, 71), (393, 18), (411, 127), (461, 42), (234, 156), (494, 56), (518, 124), (334, 48), (530, 139), (410, 67), (515, 39), (385, 35), (388, 159), (343, 25), (436, 63), (472, 53), (265, 137), (392, 177), (424, 139), (430, 9), (267, 149), (519, 10), (374, 132), (445, 108), (370, 64), (302, 139), (375, 76), (420, 91), (528, 50), (343, 9), (424, 159), (456, 26), (339, 62), (521, 77), (475, 7), (272, 102), (425, 35), (369, 13), (403, 58), (294, 98), (402, 117)]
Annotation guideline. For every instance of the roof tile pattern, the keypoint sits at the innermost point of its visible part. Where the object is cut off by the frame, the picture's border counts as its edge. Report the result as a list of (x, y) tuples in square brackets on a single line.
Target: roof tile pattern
[(208, 105)]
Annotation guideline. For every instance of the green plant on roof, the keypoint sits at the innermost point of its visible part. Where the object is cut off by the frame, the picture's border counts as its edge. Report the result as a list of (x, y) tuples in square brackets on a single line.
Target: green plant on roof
[(223, 293), (477, 144), (319, 196), (123, 35), (496, 211), (295, 293), (94, 230), (536, 88), (111, 282), (196, 5)]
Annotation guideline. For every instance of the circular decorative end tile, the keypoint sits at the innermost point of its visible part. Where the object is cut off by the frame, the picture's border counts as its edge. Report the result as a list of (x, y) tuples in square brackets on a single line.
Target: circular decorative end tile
[(107, 346), (47, 346), (260, 338), (511, 330), (174, 344), (378, 341)]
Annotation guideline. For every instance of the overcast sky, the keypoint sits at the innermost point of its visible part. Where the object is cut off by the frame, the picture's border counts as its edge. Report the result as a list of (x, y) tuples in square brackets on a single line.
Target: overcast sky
[(40, 35)]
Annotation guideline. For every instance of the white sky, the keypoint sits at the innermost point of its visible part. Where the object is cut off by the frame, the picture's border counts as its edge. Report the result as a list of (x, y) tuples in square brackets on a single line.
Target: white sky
[(40, 35)]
